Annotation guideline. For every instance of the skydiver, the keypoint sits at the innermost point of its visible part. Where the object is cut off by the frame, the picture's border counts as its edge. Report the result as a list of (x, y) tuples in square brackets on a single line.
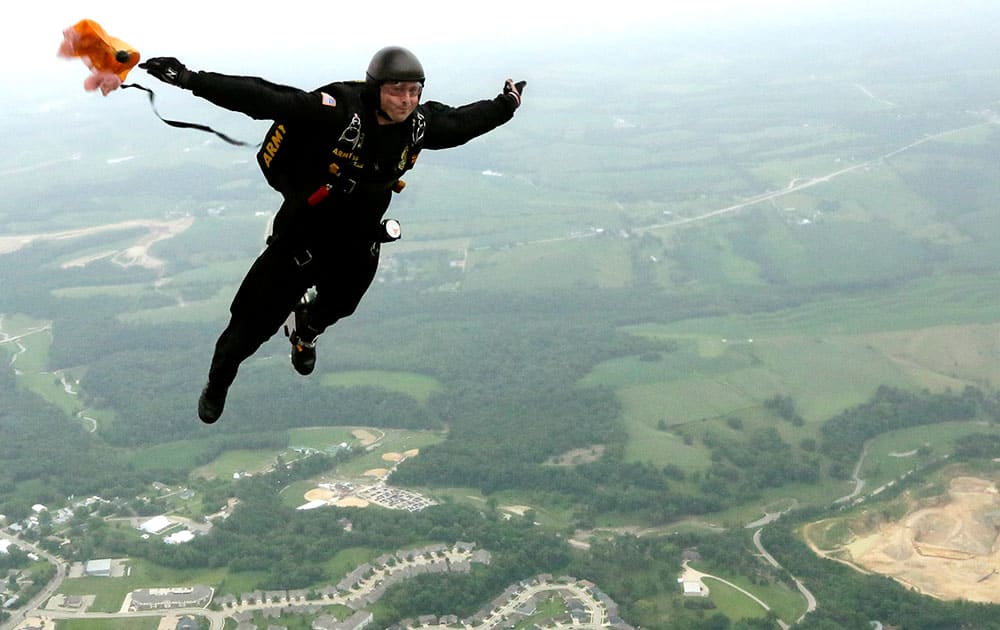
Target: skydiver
[(353, 140)]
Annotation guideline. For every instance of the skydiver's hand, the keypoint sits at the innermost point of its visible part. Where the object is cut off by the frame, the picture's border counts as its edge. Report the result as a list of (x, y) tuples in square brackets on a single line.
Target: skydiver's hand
[(167, 69), (514, 91)]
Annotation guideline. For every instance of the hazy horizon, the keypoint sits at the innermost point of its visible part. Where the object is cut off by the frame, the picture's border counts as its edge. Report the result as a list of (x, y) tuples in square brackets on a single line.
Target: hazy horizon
[(255, 39)]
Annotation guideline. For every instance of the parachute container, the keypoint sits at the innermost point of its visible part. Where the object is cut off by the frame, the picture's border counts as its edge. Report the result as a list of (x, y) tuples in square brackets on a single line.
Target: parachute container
[(108, 58)]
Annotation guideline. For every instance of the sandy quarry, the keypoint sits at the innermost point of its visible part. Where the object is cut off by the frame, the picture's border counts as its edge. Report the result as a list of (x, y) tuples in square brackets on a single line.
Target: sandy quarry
[(948, 548)]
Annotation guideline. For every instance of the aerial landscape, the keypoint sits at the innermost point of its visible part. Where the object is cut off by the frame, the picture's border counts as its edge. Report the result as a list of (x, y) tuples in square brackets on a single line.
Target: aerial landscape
[(706, 337)]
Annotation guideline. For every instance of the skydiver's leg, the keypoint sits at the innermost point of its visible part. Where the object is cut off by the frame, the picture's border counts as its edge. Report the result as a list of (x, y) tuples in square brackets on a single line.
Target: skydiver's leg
[(340, 289), (269, 291), (342, 281)]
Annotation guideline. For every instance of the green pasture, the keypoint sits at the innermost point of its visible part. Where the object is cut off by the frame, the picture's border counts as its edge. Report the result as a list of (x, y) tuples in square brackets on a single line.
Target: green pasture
[(710, 257), (649, 444), (927, 302), (458, 495), (238, 461), (320, 438), (788, 604), (417, 386), (180, 456), (731, 602), (547, 511), (812, 353), (214, 308), (557, 259), (102, 290)]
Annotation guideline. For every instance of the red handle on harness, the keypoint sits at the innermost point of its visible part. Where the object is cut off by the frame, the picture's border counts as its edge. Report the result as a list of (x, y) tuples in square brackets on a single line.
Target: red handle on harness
[(321, 193)]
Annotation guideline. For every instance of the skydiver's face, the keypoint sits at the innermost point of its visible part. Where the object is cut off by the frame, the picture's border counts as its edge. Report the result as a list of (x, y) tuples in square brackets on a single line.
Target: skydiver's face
[(398, 99)]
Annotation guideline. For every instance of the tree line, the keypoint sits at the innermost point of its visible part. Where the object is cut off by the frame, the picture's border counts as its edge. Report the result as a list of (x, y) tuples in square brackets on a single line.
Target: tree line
[(844, 435)]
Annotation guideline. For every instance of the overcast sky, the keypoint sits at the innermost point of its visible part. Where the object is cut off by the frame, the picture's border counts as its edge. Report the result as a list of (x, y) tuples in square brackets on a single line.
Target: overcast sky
[(188, 29), (200, 32)]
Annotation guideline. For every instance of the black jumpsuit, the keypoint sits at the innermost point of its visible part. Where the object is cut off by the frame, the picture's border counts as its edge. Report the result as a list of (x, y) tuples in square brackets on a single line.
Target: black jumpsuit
[(331, 245)]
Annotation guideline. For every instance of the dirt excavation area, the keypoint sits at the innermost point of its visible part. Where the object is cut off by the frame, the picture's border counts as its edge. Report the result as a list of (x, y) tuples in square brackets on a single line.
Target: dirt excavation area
[(135, 255), (947, 547)]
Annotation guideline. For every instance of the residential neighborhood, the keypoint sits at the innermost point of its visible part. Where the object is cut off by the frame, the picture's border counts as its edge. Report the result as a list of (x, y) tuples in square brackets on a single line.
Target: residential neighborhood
[(583, 605)]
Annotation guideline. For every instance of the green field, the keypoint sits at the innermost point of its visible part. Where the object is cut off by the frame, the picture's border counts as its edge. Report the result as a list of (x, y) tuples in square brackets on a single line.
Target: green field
[(417, 386), (893, 454)]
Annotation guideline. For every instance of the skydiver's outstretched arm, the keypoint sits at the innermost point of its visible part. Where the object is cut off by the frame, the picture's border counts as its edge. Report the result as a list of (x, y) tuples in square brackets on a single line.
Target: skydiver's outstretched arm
[(253, 96), (453, 126)]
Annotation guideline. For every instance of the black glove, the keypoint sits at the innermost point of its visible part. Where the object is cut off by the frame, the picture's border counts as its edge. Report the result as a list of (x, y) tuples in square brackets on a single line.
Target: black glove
[(167, 69), (514, 90)]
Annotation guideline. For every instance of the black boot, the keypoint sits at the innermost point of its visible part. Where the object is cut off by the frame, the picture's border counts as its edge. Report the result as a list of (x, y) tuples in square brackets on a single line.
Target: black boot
[(211, 403), (303, 338), (303, 354)]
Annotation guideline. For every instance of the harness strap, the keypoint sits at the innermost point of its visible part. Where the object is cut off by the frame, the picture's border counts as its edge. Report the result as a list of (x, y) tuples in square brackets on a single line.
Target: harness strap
[(184, 125)]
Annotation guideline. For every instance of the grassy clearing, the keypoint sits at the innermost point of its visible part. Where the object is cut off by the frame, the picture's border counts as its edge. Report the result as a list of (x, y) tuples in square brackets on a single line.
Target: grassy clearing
[(826, 356), (320, 437), (648, 444), (104, 290), (208, 310), (417, 386), (732, 602), (553, 262), (893, 454), (788, 604), (348, 560), (239, 461), (921, 304), (179, 456)]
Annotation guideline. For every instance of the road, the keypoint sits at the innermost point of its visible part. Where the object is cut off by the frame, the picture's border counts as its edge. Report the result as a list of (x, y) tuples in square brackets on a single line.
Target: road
[(859, 483), (216, 619), (47, 591), (798, 184), (795, 185), (810, 598)]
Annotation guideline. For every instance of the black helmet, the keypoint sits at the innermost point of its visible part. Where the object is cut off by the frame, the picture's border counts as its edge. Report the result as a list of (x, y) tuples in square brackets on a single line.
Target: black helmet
[(394, 63)]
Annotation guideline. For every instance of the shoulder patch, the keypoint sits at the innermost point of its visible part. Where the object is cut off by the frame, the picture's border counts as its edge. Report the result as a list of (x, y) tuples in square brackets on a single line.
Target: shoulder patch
[(328, 100)]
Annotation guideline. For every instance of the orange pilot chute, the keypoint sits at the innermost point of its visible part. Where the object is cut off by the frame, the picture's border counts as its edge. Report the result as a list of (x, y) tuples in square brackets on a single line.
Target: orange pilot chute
[(108, 58)]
